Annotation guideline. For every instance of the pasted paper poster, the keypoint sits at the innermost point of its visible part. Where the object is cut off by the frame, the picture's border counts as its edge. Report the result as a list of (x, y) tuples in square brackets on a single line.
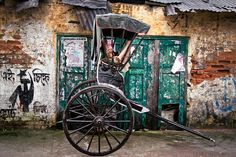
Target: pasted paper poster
[(178, 64), (74, 51)]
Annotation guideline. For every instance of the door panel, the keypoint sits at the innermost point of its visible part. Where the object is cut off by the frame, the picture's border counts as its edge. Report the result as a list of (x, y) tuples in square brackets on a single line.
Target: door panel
[(74, 62), (136, 80), (172, 87)]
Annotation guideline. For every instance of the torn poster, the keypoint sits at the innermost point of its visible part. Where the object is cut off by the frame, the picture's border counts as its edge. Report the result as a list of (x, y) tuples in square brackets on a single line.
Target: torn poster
[(178, 64), (74, 51)]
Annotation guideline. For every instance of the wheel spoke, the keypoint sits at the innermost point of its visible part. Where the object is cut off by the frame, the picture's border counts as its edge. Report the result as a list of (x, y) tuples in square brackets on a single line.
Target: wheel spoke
[(73, 111), (101, 104), (85, 108), (99, 142), (117, 121), (116, 113), (77, 117), (79, 121), (108, 98), (97, 96), (74, 107), (83, 100), (112, 107), (74, 131), (84, 135), (91, 104), (115, 127), (92, 97), (103, 107), (90, 142), (95, 93), (102, 110), (112, 135), (107, 139)]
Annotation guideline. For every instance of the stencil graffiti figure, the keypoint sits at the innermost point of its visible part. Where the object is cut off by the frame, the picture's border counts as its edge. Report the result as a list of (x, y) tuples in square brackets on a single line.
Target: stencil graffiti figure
[(25, 94)]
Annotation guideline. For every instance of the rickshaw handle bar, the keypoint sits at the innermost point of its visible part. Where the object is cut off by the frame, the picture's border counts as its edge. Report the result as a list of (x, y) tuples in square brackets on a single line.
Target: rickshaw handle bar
[(181, 126)]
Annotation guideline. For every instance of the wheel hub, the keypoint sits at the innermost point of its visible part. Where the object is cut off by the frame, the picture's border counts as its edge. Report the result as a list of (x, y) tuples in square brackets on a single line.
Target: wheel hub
[(99, 121)]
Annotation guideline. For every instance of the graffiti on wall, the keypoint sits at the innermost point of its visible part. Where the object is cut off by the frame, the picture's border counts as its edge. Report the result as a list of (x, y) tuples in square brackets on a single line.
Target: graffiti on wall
[(25, 93), (40, 76), (7, 113), (25, 90), (8, 75), (39, 108), (227, 104)]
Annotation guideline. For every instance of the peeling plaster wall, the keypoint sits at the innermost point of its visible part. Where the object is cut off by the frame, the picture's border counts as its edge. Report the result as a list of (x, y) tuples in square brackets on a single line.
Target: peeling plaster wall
[(213, 102), (28, 59), (211, 59)]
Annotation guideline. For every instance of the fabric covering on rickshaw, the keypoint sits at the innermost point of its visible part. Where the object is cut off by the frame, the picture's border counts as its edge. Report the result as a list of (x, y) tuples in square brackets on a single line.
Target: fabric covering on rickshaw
[(113, 25), (121, 21)]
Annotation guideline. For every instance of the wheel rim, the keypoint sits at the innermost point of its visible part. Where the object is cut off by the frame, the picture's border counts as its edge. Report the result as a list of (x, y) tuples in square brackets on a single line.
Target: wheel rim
[(102, 120), (80, 86)]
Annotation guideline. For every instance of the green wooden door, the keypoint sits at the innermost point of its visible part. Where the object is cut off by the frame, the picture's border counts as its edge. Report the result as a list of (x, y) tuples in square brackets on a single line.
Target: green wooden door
[(136, 80), (73, 60), (172, 86)]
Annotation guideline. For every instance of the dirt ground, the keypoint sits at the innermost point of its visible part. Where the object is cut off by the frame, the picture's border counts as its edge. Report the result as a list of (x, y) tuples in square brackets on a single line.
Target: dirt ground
[(53, 143)]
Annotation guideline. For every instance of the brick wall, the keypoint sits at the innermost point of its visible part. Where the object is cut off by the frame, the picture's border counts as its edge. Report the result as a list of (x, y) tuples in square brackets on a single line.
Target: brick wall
[(216, 65), (11, 53)]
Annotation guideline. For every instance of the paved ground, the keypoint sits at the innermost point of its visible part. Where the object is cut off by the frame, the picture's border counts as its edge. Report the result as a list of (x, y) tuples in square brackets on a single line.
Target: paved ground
[(52, 143)]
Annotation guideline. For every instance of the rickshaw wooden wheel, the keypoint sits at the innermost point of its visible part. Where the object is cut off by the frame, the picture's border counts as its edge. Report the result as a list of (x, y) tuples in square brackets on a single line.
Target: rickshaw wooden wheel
[(80, 86), (103, 121)]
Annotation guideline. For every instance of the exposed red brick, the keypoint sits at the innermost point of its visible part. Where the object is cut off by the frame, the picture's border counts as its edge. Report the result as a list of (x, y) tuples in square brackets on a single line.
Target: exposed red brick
[(11, 53), (13, 42), (211, 62), (16, 36), (217, 66), (19, 59), (224, 64), (10, 46), (224, 61)]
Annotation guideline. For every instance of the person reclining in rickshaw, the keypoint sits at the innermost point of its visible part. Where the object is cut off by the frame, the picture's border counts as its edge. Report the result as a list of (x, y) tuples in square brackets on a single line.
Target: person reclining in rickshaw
[(118, 58)]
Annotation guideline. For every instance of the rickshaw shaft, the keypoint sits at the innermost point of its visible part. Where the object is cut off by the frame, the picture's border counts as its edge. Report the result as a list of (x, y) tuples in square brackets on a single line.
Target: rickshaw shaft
[(181, 126)]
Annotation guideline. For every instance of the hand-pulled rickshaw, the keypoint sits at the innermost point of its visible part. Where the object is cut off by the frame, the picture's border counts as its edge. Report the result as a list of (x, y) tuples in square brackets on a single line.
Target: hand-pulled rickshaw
[(98, 118)]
